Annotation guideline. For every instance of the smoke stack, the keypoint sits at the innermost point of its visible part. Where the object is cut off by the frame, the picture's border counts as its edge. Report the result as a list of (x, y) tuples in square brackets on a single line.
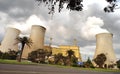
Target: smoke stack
[(37, 37), (9, 41), (104, 45)]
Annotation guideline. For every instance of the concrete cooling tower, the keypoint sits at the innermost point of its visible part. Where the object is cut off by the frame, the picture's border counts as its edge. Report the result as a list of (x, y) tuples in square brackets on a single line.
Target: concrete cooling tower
[(9, 40), (104, 45), (37, 37)]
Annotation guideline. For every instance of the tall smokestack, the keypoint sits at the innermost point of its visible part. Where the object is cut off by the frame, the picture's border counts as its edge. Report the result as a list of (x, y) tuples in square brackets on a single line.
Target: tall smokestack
[(104, 45), (37, 37), (9, 41)]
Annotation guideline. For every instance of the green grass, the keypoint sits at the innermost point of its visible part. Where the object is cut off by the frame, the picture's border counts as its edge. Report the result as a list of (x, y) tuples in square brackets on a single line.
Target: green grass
[(4, 61), (86, 69)]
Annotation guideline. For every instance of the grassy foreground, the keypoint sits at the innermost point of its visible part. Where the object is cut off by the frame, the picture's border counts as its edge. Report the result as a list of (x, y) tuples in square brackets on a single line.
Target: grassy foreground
[(3, 61), (89, 69)]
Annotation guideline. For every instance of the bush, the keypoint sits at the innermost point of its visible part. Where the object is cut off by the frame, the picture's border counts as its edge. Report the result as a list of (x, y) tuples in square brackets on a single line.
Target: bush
[(100, 60), (118, 64), (88, 64), (1, 54), (74, 61), (37, 56), (59, 59), (11, 55)]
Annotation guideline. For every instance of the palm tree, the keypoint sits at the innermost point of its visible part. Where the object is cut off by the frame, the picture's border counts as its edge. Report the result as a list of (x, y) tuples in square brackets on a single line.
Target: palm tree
[(71, 58), (23, 41), (70, 53)]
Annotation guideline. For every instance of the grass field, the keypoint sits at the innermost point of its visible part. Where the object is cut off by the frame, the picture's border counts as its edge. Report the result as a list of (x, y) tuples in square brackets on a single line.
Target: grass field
[(3, 61), (92, 69)]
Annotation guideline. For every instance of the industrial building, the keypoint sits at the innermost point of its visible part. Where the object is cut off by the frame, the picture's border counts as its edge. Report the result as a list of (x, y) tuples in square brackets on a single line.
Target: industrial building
[(104, 45), (64, 48), (9, 41)]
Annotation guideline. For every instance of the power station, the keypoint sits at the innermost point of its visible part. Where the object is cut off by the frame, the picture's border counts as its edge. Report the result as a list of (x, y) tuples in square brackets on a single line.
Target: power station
[(104, 45), (10, 41)]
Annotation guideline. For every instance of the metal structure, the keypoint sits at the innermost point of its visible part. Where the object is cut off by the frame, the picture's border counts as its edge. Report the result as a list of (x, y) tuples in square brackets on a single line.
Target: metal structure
[(37, 37), (9, 41), (104, 45)]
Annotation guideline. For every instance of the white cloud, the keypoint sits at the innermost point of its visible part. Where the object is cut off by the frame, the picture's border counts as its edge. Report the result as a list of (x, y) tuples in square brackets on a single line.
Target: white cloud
[(3, 19), (25, 26), (92, 26), (34, 20)]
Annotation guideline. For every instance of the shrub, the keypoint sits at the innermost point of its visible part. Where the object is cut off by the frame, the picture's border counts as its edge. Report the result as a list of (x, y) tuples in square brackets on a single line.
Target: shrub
[(59, 59), (118, 64), (11, 55), (100, 59), (88, 63), (1, 54), (37, 56)]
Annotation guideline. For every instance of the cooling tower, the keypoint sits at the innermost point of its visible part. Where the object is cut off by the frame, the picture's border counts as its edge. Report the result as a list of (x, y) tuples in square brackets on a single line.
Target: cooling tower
[(104, 45), (9, 41), (37, 37)]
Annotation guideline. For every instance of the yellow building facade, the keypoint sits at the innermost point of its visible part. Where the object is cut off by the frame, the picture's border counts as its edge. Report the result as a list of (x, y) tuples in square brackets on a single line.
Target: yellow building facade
[(64, 48)]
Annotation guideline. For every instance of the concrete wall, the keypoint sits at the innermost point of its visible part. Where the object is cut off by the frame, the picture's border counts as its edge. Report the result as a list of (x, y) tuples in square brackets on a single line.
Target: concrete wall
[(104, 45), (9, 41)]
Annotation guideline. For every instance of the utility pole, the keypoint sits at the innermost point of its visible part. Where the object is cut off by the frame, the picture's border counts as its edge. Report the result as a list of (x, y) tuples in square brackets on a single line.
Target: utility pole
[(50, 42), (75, 42)]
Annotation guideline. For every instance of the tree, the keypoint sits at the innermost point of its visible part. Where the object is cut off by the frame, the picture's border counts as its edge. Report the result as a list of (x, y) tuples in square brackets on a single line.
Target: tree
[(41, 55), (32, 56), (112, 6), (11, 54), (1, 54), (118, 64), (70, 53), (71, 4), (74, 5), (59, 59), (23, 41), (88, 63), (37, 56), (100, 59), (71, 59)]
